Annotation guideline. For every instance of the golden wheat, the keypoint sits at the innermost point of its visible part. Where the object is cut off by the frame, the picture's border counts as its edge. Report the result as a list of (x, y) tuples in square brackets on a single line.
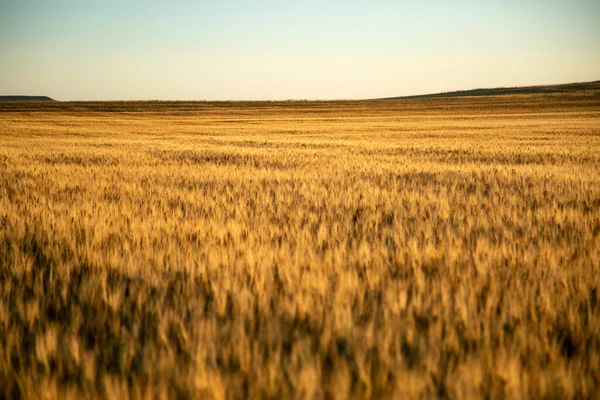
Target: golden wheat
[(423, 248)]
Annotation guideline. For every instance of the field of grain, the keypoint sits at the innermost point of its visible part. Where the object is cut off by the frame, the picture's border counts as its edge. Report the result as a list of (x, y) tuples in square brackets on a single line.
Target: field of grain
[(392, 249)]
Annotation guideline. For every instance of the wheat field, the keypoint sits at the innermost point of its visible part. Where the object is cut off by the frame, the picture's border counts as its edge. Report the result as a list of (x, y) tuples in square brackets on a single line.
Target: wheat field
[(431, 248)]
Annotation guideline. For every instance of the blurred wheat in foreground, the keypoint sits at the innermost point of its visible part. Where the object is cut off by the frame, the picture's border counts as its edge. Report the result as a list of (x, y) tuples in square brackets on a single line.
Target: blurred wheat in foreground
[(390, 249)]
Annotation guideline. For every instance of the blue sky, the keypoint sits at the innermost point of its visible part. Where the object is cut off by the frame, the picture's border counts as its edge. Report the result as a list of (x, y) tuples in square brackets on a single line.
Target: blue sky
[(228, 50)]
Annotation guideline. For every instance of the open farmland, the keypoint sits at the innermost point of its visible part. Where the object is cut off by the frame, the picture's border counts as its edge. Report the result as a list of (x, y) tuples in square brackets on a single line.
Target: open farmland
[(397, 248)]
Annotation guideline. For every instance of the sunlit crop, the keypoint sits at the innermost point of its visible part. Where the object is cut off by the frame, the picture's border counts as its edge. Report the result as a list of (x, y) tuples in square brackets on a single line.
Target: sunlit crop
[(422, 248)]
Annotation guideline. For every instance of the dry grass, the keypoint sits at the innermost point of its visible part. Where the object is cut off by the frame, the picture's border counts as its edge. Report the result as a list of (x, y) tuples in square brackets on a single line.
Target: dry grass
[(425, 248)]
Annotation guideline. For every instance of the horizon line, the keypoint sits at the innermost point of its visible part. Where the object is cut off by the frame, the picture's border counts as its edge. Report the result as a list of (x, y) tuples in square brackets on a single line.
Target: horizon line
[(410, 96)]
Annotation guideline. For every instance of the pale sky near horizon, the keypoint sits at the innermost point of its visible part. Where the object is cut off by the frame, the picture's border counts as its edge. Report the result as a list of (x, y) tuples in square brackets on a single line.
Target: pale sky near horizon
[(265, 50)]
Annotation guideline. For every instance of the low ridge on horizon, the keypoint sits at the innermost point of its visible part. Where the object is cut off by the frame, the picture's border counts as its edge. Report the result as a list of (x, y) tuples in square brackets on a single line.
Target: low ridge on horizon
[(25, 98), (500, 91)]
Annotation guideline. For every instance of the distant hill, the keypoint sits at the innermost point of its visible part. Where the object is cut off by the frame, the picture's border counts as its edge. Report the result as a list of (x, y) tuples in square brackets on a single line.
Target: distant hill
[(545, 89), (25, 98)]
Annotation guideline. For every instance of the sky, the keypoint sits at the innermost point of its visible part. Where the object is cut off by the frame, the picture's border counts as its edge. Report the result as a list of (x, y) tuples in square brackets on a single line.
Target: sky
[(276, 50)]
